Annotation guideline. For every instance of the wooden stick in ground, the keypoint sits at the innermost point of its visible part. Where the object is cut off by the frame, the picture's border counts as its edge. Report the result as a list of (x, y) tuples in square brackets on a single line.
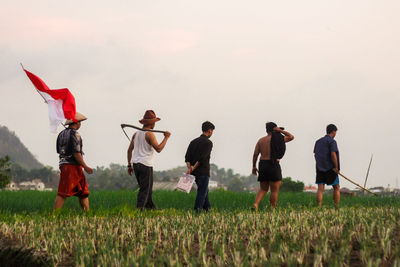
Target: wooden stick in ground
[(369, 167), (357, 184)]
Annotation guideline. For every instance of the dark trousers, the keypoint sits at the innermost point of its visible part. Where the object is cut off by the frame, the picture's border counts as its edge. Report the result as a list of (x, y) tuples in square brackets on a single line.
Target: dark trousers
[(202, 202), (144, 177)]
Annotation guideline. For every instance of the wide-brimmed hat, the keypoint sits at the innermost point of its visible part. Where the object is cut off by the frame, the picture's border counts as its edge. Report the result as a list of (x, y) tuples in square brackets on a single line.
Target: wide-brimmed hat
[(78, 117), (149, 117)]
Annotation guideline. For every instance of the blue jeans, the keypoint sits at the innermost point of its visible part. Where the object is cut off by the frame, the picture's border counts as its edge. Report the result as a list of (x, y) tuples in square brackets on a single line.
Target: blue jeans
[(202, 202)]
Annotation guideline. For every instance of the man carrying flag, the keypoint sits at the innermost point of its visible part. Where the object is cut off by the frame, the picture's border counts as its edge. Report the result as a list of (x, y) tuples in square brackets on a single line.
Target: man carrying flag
[(72, 179), (61, 105)]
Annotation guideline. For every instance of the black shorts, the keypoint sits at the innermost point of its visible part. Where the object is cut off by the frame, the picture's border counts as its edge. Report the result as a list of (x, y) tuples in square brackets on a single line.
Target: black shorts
[(326, 177), (269, 171)]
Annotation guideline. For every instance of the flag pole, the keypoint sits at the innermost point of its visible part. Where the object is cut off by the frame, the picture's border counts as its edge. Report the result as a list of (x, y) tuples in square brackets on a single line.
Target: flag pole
[(35, 87)]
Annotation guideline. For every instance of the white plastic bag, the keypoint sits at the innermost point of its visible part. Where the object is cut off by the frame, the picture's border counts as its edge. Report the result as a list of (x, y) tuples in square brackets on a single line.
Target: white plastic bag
[(185, 183)]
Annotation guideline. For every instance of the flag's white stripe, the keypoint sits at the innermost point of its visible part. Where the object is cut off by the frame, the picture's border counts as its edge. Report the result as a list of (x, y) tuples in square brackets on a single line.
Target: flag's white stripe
[(45, 95), (56, 113)]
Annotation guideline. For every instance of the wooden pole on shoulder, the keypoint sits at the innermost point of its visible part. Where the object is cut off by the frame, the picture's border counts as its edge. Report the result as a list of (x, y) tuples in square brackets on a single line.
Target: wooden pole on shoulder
[(138, 128)]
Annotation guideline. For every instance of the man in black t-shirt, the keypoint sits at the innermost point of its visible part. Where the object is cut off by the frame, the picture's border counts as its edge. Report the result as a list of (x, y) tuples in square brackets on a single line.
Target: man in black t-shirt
[(197, 160), (72, 179)]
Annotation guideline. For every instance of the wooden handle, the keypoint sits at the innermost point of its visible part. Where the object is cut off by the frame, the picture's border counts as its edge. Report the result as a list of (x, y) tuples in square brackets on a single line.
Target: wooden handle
[(357, 184), (141, 129)]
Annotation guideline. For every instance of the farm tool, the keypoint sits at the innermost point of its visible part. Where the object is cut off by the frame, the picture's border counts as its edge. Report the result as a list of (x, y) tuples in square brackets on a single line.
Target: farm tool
[(357, 184), (138, 128)]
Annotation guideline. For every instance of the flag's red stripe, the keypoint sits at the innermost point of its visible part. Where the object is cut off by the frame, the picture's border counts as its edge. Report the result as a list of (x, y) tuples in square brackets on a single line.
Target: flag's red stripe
[(64, 94)]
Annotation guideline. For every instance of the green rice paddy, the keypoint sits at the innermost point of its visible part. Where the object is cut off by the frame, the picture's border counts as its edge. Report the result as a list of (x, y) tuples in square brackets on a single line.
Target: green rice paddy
[(364, 231)]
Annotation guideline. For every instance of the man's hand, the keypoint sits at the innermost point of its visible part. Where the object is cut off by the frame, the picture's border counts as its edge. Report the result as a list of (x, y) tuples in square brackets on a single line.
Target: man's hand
[(189, 170), (151, 140), (88, 169), (336, 170), (79, 159), (130, 170), (255, 171), (288, 136)]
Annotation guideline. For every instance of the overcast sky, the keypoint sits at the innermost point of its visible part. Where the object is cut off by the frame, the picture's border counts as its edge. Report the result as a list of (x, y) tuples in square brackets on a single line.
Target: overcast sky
[(239, 64)]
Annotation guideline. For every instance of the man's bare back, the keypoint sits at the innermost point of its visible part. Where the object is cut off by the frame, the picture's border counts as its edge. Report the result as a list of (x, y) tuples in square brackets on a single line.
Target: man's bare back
[(264, 147)]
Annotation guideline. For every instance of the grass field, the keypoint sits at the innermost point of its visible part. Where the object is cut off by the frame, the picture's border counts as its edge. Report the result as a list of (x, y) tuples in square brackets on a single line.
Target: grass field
[(364, 231)]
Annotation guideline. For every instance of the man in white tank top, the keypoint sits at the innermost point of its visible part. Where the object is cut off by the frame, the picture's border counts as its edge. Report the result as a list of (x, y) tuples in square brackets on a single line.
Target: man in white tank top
[(143, 145)]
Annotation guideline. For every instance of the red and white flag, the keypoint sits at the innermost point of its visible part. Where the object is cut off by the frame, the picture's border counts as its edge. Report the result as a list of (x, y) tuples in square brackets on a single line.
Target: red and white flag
[(61, 102)]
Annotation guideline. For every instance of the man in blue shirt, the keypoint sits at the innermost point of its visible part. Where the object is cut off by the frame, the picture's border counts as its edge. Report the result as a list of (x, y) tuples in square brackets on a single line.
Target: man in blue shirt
[(326, 155)]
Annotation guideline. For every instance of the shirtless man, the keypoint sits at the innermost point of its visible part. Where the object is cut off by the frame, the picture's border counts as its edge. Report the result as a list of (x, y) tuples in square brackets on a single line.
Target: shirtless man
[(272, 149)]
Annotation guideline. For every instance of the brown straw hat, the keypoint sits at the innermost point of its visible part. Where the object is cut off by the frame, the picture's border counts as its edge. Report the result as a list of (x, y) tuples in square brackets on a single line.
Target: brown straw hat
[(149, 118), (78, 117)]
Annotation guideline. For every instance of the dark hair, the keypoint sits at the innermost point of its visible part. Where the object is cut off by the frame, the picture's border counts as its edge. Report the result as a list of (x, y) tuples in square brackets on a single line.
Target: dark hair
[(270, 126), (73, 123), (207, 126), (330, 128)]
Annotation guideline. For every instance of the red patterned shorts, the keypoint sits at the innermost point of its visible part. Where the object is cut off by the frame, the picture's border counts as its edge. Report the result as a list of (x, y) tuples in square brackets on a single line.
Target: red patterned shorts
[(72, 182)]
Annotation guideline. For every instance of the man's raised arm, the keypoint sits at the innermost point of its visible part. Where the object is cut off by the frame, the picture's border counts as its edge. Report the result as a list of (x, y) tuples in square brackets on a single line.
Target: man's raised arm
[(151, 139), (288, 136)]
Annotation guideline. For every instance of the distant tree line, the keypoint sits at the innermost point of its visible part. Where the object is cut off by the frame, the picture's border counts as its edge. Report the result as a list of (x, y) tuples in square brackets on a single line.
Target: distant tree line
[(5, 170), (48, 175), (288, 185), (116, 177), (21, 165)]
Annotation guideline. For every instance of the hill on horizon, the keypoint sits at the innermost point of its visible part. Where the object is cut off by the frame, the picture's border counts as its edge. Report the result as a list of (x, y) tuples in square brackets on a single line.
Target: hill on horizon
[(12, 146)]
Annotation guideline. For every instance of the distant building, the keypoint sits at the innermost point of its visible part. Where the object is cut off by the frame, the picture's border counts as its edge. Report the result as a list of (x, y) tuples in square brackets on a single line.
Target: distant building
[(12, 186), (310, 189), (347, 192), (377, 190), (213, 185), (36, 184), (39, 185), (164, 185)]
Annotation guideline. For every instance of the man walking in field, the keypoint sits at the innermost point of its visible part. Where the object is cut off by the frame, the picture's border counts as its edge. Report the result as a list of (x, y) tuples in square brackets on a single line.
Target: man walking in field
[(326, 155), (197, 160), (143, 144), (72, 179), (272, 148)]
